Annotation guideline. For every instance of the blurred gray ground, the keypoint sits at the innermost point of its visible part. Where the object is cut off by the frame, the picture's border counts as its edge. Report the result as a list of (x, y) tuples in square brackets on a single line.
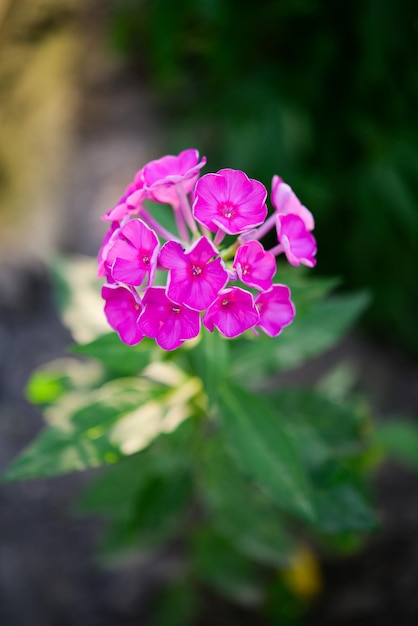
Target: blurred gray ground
[(48, 572)]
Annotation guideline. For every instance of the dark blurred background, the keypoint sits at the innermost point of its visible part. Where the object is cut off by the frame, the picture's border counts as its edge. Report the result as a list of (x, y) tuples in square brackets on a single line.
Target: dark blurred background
[(324, 94)]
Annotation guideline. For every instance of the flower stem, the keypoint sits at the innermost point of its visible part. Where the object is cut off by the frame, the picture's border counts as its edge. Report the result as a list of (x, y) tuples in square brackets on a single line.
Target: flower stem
[(229, 253), (259, 232), (279, 249), (186, 208), (219, 237), (181, 224), (152, 223)]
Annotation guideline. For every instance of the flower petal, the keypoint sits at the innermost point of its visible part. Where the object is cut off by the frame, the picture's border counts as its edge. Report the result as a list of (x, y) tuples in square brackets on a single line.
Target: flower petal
[(122, 310), (276, 309)]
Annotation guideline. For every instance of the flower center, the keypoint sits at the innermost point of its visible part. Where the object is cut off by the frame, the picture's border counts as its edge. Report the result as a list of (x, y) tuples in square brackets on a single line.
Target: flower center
[(176, 309), (246, 270), (225, 302), (196, 270), (227, 209), (145, 259)]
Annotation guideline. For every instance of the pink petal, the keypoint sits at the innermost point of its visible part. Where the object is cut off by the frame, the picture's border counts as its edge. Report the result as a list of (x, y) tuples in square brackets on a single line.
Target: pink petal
[(121, 249), (232, 313), (197, 292), (285, 202), (103, 266), (194, 279), (132, 252), (209, 190), (117, 213), (168, 323), (298, 243), (122, 310), (136, 198), (133, 196), (128, 272), (255, 266), (140, 235), (163, 174), (229, 200), (172, 256), (276, 309), (202, 251), (139, 179)]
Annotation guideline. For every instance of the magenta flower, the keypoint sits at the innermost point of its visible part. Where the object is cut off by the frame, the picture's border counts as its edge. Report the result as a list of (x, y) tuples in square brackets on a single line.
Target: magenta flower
[(285, 201), (134, 195), (255, 267), (229, 201), (162, 175), (133, 253), (195, 277), (170, 324), (195, 267), (298, 244), (232, 313), (122, 309), (103, 268), (276, 309)]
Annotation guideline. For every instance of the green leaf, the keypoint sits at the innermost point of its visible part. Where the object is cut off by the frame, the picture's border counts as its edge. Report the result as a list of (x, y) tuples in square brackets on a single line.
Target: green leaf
[(330, 439), (112, 493), (240, 512), (398, 440), (254, 433), (46, 386), (226, 570), (54, 452), (101, 427), (344, 509), (321, 429), (49, 382), (307, 290), (157, 513), (80, 434), (309, 335), (341, 504), (116, 356), (321, 328), (146, 496), (209, 359)]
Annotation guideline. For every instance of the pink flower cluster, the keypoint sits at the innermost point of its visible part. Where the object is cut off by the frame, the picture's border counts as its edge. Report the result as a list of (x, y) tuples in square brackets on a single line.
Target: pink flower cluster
[(165, 285)]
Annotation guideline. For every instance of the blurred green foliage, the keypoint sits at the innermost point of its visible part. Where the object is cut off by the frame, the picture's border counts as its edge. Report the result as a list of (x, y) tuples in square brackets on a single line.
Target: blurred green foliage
[(324, 94), (206, 451)]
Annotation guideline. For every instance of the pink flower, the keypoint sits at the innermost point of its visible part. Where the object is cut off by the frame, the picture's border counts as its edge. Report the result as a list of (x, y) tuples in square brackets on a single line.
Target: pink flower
[(134, 195), (170, 324), (103, 268), (255, 267), (122, 309), (298, 244), (285, 201), (276, 309), (229, 201), (195, 279), (133, 253), (162, 175), (195, 267), (232, 313)]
